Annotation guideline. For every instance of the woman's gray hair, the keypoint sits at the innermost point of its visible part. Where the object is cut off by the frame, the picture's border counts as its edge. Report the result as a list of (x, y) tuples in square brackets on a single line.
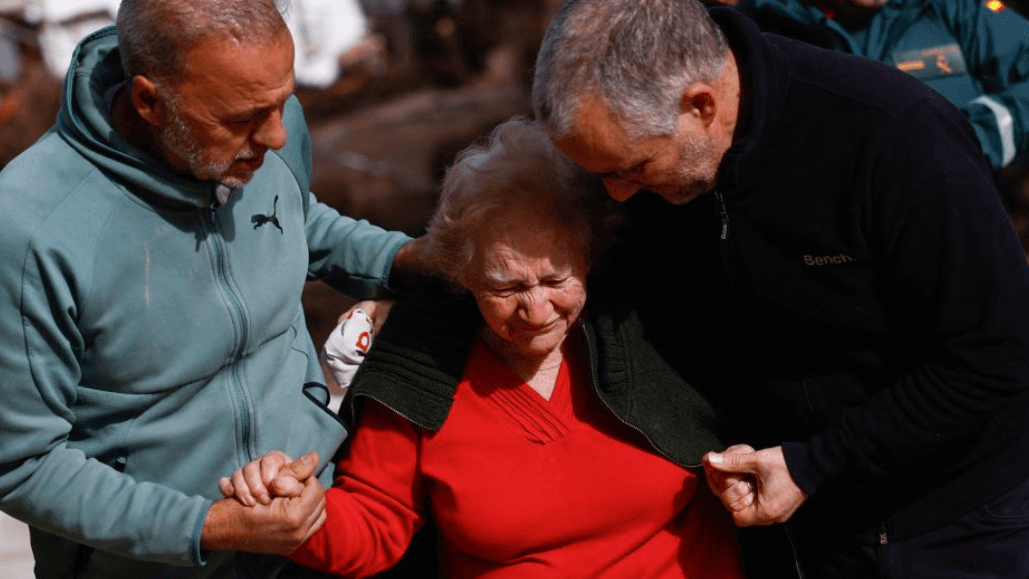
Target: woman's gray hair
[(491, 187), (155, 36), (637, 56)]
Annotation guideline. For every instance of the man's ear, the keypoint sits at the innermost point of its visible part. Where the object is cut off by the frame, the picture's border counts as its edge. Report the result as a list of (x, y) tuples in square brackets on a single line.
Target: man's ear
[(145, 99), (699, 101)]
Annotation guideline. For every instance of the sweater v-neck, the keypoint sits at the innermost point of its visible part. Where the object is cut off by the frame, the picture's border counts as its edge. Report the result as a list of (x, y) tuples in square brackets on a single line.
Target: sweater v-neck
[(542, 420)]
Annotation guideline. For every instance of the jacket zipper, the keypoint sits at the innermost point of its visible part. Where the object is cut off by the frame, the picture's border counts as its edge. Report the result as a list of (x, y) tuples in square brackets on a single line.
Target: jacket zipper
[(723, 213), (594, 380), (234, 302), (353, 407), (729, 261), (726, 246), (793, 550)]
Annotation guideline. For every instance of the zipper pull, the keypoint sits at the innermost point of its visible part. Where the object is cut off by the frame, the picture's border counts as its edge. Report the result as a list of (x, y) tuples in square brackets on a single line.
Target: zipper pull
[(723, 213)]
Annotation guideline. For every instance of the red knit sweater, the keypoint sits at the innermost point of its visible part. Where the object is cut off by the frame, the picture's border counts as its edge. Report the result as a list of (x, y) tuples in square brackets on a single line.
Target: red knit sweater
[(521, 487)]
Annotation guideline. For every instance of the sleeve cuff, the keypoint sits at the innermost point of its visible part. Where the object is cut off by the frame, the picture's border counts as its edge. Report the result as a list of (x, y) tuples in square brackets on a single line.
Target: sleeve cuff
[(198, 555), (386, 282), (801, 466)]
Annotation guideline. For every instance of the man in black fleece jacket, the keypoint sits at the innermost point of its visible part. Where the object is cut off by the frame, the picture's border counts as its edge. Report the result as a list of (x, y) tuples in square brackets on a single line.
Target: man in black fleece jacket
[(820, 248)]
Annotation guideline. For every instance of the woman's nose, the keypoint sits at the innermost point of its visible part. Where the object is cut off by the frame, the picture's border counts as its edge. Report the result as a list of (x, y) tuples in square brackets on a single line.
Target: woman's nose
[(536, 309)]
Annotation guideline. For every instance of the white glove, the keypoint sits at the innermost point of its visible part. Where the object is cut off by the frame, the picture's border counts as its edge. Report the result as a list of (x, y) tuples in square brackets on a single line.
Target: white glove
[(346, 346)]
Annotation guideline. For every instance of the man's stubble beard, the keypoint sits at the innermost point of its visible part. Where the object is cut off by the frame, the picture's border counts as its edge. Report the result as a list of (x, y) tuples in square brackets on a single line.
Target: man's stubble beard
[(176, 139), (698, 169)]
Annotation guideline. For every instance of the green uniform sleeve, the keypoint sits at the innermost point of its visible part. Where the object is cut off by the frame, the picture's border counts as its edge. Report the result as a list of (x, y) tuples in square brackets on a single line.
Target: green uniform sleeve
[(996, 46)]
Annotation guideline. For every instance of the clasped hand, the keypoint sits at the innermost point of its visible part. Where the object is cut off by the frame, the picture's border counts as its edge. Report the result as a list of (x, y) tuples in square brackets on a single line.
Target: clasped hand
[(754, 485), (272, 475), (271, 505)]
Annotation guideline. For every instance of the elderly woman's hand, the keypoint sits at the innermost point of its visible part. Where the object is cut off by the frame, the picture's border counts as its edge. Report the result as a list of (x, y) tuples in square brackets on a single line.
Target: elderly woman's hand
[(376, 310), (348, 342), (272, 475)]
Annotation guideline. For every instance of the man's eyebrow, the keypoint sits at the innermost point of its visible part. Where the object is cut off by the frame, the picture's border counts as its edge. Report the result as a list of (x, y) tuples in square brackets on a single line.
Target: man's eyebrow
[(264, 108), (258, 110)]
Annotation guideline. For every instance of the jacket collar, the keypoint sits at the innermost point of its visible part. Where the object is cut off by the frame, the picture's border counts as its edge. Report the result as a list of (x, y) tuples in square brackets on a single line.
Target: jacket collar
[(764, 81)]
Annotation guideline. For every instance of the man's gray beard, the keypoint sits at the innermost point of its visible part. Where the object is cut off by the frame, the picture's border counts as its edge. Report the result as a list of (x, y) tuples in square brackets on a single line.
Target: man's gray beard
[(697, 169), (175, 138)]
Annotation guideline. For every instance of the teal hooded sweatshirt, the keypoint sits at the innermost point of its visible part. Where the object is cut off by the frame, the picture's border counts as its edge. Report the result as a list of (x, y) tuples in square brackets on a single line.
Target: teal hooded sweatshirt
[(152, 339)]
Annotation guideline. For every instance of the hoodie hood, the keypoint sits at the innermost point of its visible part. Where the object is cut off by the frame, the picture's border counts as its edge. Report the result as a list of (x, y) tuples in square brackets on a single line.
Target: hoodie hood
[(84, 121)]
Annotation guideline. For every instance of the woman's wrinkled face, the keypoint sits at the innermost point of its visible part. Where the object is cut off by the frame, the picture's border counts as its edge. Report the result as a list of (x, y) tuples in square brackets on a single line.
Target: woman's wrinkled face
[(530, 285)]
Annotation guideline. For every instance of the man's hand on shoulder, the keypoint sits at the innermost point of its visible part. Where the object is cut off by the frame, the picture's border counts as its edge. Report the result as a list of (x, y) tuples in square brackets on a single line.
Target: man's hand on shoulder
[(414, 259)]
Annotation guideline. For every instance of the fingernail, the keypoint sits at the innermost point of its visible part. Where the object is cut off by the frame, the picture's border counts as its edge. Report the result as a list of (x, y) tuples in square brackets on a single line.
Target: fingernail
[(715, 459)]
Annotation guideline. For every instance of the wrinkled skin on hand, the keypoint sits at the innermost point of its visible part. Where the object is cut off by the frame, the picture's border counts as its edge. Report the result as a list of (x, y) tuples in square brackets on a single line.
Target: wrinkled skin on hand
[(273, 474), (277, 525)]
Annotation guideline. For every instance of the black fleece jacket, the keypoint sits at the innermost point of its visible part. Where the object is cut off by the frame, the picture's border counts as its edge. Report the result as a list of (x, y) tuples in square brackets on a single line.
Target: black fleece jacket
[(851, 290)]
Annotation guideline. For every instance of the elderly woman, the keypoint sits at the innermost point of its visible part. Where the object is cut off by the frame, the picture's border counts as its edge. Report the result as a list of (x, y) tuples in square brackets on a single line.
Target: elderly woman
[(539, 443)]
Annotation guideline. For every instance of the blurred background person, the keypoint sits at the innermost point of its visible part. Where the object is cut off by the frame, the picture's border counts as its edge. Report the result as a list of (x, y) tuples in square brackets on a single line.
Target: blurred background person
[(974, 52)]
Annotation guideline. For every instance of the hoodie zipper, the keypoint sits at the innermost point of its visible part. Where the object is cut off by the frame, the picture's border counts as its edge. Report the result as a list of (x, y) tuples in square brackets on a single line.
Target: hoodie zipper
[(234, 302)]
